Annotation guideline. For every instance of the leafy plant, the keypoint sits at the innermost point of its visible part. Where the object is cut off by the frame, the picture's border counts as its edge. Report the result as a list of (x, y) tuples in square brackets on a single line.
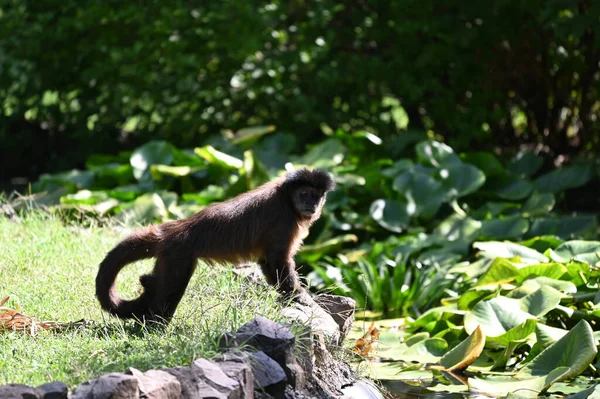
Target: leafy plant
[(393, 224), (526, 326)]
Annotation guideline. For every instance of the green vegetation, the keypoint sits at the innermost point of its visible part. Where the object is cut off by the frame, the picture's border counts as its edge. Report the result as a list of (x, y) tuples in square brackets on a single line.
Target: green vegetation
[(462, 135), (405, 211), (48, 269), (112, 75), (526, 325)]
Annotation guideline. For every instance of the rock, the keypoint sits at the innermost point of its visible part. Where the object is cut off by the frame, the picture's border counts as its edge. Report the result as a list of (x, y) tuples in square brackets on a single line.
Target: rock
[(341, 309), (268, 374), (156, 384), (237, 366), (275, 340), (362, 389), (54, 390), (111, 385), (188, 381), (306, 311), (19, 391), (215, 379)]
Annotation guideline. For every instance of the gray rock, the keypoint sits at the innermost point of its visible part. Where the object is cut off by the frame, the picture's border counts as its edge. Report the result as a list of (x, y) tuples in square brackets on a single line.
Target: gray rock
[(269, 377), (262, 334), (308, 312), (213, 379), (341, 309), (237, 366), (188, 381), (156, 384), (109, 386), (19, 391), (54, 390)]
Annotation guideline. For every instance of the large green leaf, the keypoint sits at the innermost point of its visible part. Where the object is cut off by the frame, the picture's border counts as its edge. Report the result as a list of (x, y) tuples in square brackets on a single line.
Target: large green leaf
[(501, 271), (456, 227), (218, 158), (541, 301), (112, 174), (324, 155), (525, 163), (435, 153), (148, 208), (423, 193), (565, 227), (425, 351), (390, 214), (510, 187), (74, 179), (209, 194), (84, 197), (518, 334), (496, 316), (542, 243), (509, 250), (564, 178), (151, 153), (465, 353), (487, 162), (538, 204), (547, 335), (460, 178), (575, 350), (159, 171), (579, 250), (508, 227), (249, 135), (529, 388)]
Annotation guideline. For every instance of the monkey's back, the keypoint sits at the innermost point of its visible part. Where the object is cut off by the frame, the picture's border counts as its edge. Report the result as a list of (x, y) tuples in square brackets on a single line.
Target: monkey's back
[(236, 230)]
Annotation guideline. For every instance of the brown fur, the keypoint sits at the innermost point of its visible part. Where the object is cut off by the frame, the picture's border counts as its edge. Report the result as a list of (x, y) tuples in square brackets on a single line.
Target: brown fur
[(266, 224)]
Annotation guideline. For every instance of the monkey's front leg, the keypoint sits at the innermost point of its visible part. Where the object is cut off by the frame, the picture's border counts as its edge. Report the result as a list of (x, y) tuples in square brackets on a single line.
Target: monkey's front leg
[(279, 269)]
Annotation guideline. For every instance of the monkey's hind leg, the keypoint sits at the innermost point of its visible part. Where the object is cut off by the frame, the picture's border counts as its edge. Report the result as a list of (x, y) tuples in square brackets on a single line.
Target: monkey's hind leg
[(171, 277)]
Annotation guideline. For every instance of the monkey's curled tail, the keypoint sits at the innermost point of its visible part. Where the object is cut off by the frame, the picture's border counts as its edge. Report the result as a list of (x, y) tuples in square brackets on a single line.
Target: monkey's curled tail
[(138, 246)]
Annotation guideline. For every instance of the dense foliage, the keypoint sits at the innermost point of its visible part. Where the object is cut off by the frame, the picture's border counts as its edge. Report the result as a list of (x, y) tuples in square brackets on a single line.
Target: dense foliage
[(405, 212), (525, 328), (78, 77)]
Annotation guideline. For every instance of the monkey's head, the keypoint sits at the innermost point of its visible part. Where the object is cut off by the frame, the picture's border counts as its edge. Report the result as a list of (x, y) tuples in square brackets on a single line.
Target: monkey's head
[(307, 190)]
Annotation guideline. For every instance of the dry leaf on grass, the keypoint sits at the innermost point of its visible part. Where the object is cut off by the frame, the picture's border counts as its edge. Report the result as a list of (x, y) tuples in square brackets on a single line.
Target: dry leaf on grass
[(13, 320), (368, 342)]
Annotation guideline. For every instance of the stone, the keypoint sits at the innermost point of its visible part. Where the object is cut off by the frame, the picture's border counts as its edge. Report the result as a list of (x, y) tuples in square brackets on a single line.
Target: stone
[(275, 340), (19, 391), (54, 390), (187, 379), (341, 309), (156, 384), (269, 376), (213, 376), (306, 311), (111, 385), (237, 366)]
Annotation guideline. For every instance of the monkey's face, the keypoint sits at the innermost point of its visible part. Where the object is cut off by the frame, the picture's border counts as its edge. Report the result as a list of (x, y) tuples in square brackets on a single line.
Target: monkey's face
[(308, 201)]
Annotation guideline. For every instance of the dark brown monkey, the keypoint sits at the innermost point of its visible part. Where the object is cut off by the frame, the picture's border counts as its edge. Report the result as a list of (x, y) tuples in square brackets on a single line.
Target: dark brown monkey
[(266, 224)]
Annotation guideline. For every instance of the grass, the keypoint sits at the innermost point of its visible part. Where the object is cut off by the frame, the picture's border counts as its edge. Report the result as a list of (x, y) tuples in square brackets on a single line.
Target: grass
[(49, 269)]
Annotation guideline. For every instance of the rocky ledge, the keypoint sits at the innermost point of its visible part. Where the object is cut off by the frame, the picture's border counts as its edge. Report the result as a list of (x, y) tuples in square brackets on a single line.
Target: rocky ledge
[(260, 360)]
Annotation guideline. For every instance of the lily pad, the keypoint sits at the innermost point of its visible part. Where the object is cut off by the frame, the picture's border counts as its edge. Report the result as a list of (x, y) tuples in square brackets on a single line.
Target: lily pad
[(575, 350)]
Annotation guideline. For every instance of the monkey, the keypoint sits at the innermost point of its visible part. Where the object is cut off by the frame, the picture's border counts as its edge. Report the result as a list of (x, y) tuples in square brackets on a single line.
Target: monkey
[(267, 225)]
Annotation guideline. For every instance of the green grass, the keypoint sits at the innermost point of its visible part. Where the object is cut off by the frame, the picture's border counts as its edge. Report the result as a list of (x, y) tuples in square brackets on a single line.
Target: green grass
[(49, 269)]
